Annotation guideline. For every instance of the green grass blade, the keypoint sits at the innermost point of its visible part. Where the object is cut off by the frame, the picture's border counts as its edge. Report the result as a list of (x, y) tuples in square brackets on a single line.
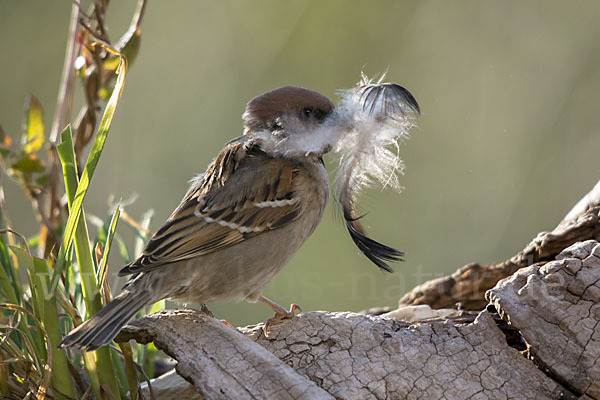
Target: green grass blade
[(132, 376), (26, 261), (9, 274), (46, 312), (46, 371), (109, 239), (61, 378), (90, 167), (5, 282), (91, 296), (120, 372)]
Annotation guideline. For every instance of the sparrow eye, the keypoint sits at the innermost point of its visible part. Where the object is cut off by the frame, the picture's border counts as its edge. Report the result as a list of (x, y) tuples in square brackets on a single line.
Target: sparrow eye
[(307, 112)]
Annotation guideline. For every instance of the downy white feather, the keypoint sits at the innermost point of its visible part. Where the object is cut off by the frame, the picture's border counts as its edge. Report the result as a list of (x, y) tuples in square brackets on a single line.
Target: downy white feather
[(375, 117), (379, 117)]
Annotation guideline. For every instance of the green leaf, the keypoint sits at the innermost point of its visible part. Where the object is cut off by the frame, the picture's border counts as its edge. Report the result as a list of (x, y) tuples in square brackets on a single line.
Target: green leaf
[(29, 163), (33, 125)]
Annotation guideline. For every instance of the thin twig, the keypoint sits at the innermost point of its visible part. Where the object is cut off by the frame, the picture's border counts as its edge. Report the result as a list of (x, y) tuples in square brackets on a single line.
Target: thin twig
[(133, 223), (86, 26), (99, 12), (136, 21)]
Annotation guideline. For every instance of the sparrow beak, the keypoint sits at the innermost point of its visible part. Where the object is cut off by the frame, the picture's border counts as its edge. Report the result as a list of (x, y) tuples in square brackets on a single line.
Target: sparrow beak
[(315, 154)]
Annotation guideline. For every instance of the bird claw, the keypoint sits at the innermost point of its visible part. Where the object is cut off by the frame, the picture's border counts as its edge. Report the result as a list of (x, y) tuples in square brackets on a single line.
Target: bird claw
[(279, 317), (205, 310), (226, 323)]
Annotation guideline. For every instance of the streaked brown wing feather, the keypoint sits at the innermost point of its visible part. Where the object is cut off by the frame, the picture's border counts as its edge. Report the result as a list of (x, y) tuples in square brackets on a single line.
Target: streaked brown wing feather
[(234, 201)]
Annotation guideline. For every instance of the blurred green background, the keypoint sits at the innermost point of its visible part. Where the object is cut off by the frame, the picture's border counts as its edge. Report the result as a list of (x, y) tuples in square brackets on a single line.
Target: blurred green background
[(507, 143)]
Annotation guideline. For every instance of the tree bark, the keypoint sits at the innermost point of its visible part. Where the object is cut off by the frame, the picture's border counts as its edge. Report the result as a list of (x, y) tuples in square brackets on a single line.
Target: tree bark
[(556, 308), (219, 361)]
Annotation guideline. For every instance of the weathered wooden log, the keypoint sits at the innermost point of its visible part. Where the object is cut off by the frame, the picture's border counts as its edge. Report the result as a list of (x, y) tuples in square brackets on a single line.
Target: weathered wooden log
[(466, 287), (538, 337)]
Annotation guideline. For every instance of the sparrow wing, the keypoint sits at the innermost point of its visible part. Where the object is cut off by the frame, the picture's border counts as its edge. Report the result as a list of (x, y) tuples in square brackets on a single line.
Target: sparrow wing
[(242, 194)]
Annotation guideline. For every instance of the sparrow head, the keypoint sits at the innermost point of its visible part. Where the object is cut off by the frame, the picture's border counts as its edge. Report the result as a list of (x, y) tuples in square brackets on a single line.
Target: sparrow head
[(289, 121)]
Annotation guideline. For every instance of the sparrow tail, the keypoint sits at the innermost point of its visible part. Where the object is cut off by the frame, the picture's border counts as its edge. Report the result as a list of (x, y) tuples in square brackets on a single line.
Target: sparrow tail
[(106, 324)]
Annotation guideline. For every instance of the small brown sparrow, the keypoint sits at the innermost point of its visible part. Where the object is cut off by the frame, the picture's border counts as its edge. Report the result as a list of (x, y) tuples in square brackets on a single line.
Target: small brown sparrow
[(244, 218), (239, 223)]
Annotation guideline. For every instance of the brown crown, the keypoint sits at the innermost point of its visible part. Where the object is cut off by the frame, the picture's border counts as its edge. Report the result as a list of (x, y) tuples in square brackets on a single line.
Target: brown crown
[(262, 110)]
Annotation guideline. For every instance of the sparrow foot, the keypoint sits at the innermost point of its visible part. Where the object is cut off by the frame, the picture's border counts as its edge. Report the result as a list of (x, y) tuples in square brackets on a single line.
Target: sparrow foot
[(205, 310), (226, 323), (280, 314)]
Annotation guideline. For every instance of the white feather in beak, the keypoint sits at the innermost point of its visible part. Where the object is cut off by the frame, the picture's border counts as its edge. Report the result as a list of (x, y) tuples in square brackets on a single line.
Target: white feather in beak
[(373, 118)]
